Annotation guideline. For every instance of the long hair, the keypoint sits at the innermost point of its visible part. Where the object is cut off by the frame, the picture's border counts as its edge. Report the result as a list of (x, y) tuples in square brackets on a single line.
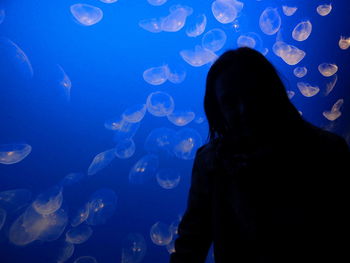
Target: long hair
[(253, 77)]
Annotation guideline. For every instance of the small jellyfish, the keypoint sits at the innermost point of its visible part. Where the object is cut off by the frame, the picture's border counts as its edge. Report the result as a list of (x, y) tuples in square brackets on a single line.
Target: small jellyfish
[(176, 20), (86, 15), (289, 10), (187, 142), (152, 25), (78, 235), (102, 206), (72, 178), (171, 247), (302, 31), (14, 153), (2, 15), (214, 39), (324, 10), (100, 161), (65, 83), (226, 11), (327, 69), (174, 226), (81, 215), (156, 75), (160, 141), (290, 94), (197, 26), (251, 40), (300, 72), (85, 259), (160, 234), (168, 178), (134, 113), (344, 42), (3, 215), (290, 54), (176, 74), (198, 57), (125, 149), (160, 104), (65, 251), (335, 112), (15, 199), (270, 21), (144, 169), (49, 201), (108, 1), (157, 2), (330, 86), (181, 117), (134, 248), (307, 90), (126, 130)]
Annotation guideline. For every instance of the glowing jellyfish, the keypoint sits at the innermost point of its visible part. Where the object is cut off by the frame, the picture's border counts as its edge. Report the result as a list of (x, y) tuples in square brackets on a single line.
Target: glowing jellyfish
[(176, 20), (226, 11), (156, 75), (344, 42), (86, 15), (171, 247), (3, 215), (214, 39), (14, 153), (168, 178), (327, 69), (174, 226), (49, 201), (302, 31), (65, 251), (2, 15), (81, 215), (335, 112), (324, 10), (289, 53), (15, 199), (108, 1), (157, 2), (181, 117), (125, 149), (100, 161), (187, 142), (160, 141), (176, 74), (126, 130), (197, 26), (85, 259), (134, 113), (251, 40), (198, 57), (144, 169), (307, 90), (134, 248), (290, 94), (19, 235), (160, 234), (65, 83), (13, 60), (270, 21), (330, 86), (78, 235), (102, 206), (72, 178), (160, 104), (152, 25), (289, 10), (300, 72)]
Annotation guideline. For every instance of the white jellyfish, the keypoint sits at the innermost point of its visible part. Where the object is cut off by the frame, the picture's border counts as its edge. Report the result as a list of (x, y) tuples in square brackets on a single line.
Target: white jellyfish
[(307, 90), (251, 40), (65, 251), (344, 42), (197, 26), (270, 21), (330, 85), (134, 113), (160, 234), (302, 31), (124, 130), (15, 199), (335, 112), (49, 201), (100, 161), (226, 11), (144, 169), (176, 20), (289, 10), (160, 141), (290, 94), (14, 153), (187, 142), (134, 248), (198, 57), (300, 72), (108, 1), (171, 247), (168, 178), (160, 104), (214, 39), (176, 74), (289, 53), (78, 235), (81, 215), (156, 75), (324, 10), (327, 69), (157, 2), (181, 117), (86, 15), (125, 149), (152, 25), (65, 83)]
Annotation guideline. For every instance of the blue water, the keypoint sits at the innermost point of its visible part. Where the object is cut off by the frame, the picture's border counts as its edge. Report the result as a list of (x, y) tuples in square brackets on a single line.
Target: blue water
[(105, 63)]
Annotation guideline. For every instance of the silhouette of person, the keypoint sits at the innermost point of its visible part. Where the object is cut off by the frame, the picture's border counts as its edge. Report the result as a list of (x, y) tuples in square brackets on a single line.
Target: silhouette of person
[(268, 186)]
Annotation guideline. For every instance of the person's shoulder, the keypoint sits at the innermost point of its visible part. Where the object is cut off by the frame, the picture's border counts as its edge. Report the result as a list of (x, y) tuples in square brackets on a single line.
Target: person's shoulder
[(207, 152)]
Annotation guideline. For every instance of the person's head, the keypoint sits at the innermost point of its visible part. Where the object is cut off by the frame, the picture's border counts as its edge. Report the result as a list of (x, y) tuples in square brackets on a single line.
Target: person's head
[(245, 96)]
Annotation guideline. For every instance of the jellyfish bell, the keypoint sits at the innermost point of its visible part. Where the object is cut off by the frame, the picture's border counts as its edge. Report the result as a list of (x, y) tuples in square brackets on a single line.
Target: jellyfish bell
[(270, 21), (86, 15)]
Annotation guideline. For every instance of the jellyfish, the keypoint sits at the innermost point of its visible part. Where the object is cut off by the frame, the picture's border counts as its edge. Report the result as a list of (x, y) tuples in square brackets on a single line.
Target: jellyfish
[(300, 72), (290, 94), (307, 90), (144, 169), (78, 235), (324, 10), (152, 25), (108, 1), (335, 112), (176, 74), (15, 199), (86, 15), (330, 86), (251, 40), (160, 104), (174, 226), (289, 53), (134, 113), (181, 117), (156, 75), (187, 141), (125, 149), (327, 69), (65, 83), (72, 178), (134, 248), (197, 26), (168, 178), (160, 141), (3, 215), (85, 259), (2, 15), (81, 215), (198, 57), (171, 247), (214, 39), (160, 234), (126, 130), (157, 2), (289, 10), (65, 251), (100, 161), (344, 42), (302, 31), (226, 11), (102, 205), (270, 21), (14, 153), (49, 201), (176, 20)]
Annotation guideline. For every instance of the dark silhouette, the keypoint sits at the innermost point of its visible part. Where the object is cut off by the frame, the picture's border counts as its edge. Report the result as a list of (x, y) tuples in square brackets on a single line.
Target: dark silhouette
[(268, 186)]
